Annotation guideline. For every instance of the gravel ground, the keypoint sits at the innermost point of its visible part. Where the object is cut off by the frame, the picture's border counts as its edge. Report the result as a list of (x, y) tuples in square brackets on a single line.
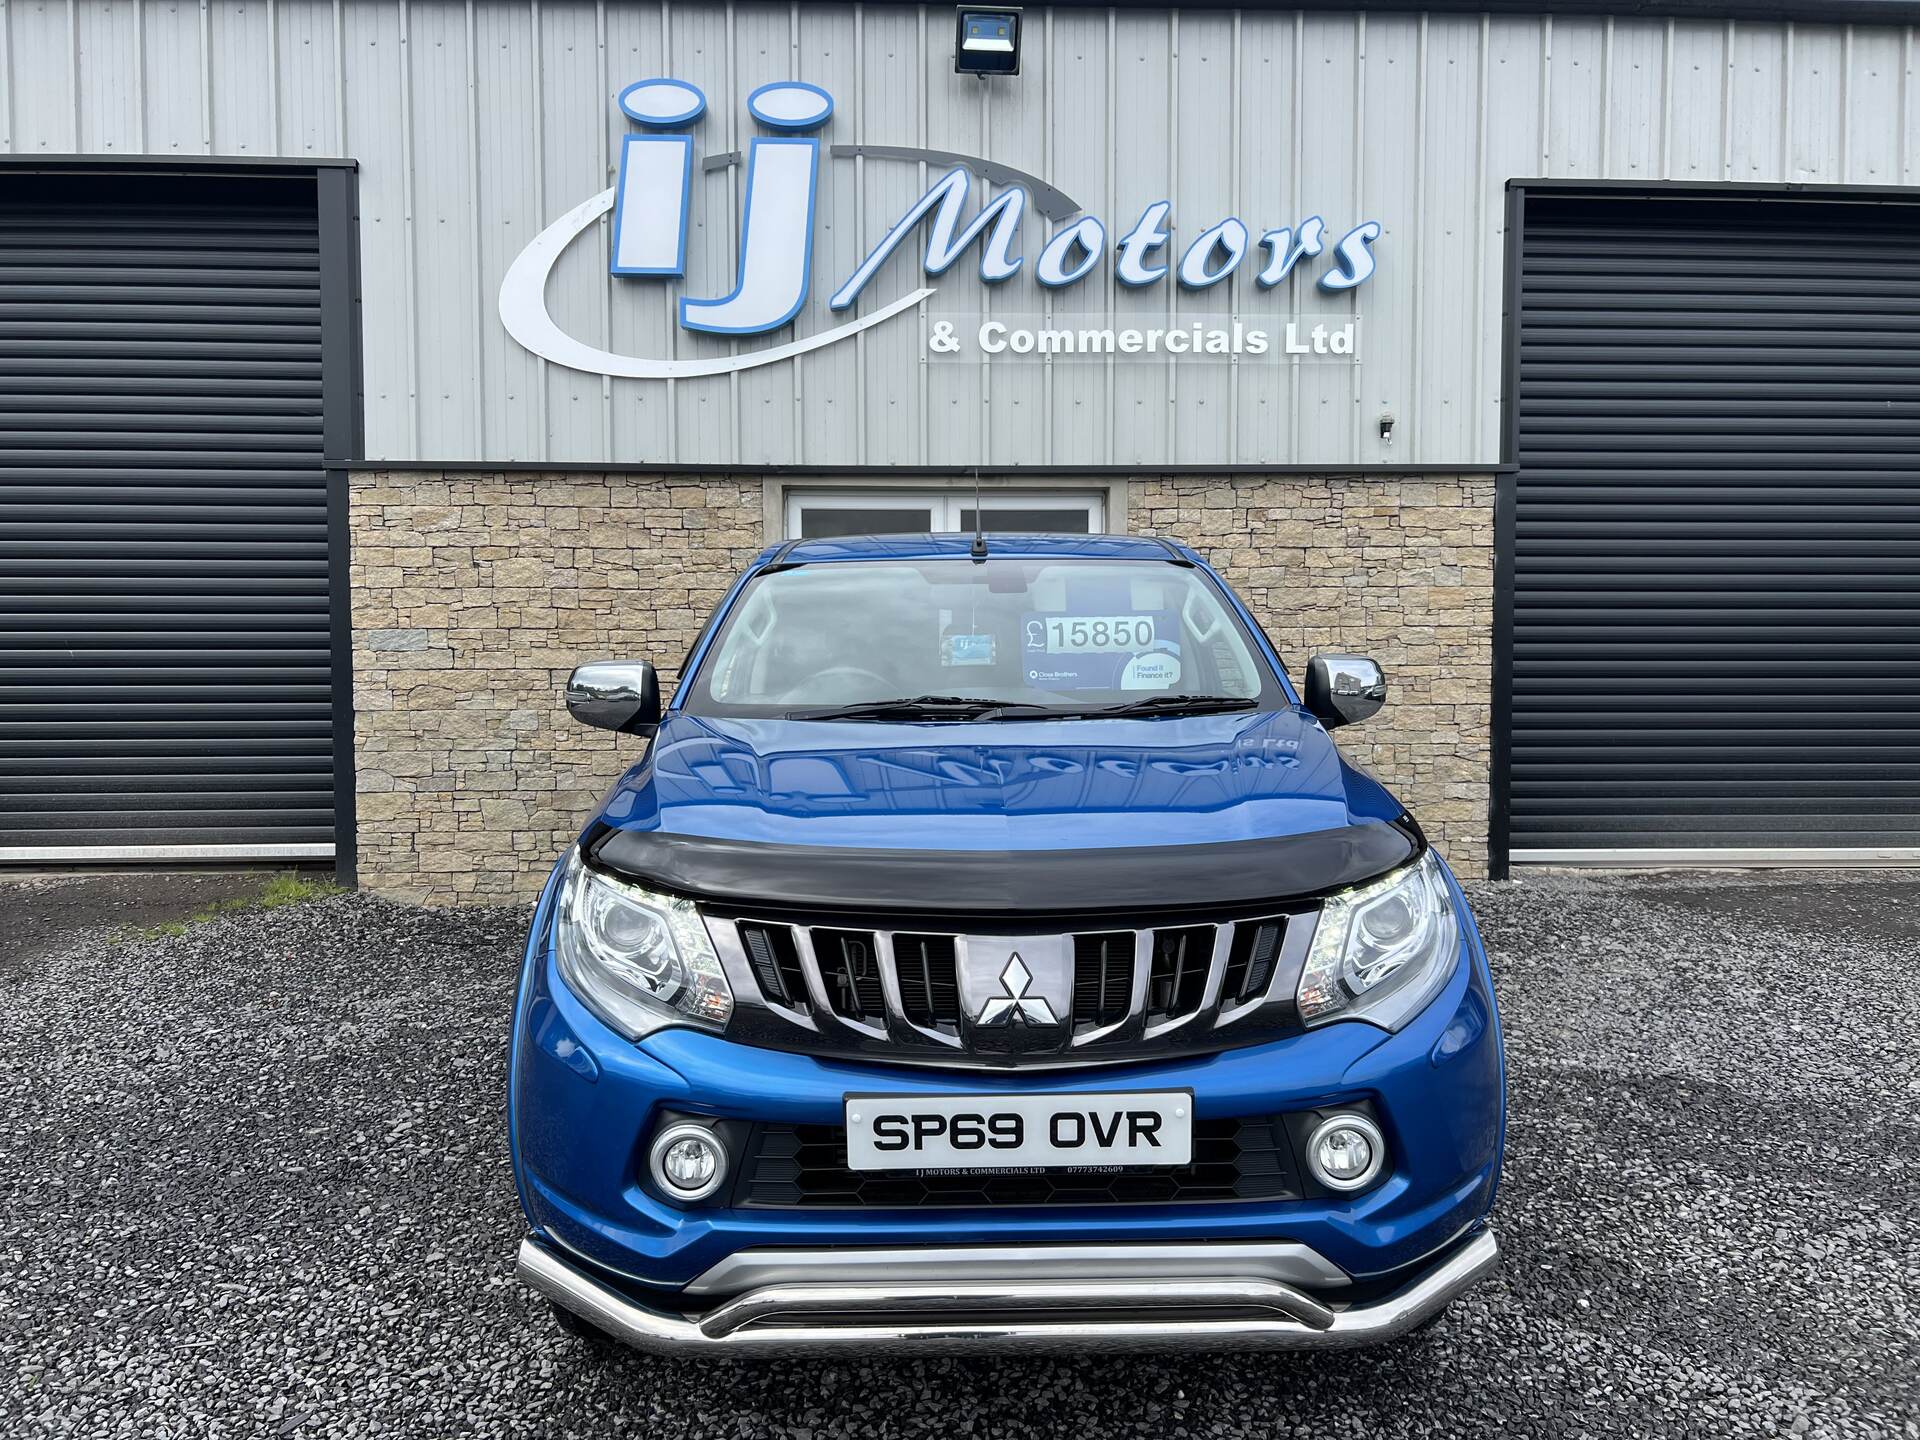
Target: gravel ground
[(253, 1183), (38, 912)]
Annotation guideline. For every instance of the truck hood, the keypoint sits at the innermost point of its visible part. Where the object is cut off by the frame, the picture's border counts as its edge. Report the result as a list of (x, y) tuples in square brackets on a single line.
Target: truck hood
[(994, 786)]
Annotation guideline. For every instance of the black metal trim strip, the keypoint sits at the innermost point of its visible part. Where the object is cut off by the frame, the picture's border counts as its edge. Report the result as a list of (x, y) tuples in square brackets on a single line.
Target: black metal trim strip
[(1025, 474), (1500, 747), (1831, 12), (1786, 191), (342, 412), (1022, 883), (174, 164)]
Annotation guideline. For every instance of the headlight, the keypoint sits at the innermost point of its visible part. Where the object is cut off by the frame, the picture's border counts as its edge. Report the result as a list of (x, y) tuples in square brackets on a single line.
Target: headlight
[(1383, 949), (640, 960)]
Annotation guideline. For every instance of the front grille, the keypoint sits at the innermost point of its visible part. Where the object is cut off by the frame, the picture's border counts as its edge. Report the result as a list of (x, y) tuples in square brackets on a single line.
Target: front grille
[(1080, 995), (805, 1167), (1250, 960), (776, 965), (850, 971), (1102, 979), (1178, 980), (929, 985)]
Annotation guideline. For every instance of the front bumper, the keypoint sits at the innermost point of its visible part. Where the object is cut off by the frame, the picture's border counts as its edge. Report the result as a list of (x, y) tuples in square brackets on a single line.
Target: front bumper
[(583, 1103), (1062, 1313)]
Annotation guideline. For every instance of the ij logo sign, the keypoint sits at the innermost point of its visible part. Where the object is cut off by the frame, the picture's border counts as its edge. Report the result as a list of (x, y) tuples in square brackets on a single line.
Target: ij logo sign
[(652, 204)]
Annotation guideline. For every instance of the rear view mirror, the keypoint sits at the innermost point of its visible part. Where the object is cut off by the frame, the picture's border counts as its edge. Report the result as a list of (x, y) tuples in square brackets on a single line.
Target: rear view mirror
[(1344, 688), (621, 695)]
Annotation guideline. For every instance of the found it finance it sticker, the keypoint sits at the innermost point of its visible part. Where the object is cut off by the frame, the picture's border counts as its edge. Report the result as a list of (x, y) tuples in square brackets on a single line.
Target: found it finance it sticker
[(1158, 671)]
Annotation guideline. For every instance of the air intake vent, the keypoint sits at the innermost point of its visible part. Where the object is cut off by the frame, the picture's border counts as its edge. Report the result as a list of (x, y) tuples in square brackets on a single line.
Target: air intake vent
[(1102, 979), (805, 1166), (1179, 975), (1250, 964), (851, 973), (776, 965), (929, 988)]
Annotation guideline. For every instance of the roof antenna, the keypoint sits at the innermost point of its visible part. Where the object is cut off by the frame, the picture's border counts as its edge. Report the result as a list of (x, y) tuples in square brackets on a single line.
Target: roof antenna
[(979, 550)]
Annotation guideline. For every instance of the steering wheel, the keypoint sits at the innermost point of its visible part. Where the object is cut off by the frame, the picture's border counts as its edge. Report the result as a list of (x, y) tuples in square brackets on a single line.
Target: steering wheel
[(833, 681)]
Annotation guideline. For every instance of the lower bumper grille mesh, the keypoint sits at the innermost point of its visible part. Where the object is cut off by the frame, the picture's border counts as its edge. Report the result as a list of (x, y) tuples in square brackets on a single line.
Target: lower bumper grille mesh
[(805, 1166)]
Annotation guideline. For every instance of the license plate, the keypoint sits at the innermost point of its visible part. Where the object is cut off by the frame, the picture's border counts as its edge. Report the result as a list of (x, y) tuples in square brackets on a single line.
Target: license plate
[(992, 1132)]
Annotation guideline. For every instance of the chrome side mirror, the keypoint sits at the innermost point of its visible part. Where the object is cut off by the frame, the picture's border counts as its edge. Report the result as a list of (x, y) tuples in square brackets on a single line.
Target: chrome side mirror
[(1344, 688), (621, 695)]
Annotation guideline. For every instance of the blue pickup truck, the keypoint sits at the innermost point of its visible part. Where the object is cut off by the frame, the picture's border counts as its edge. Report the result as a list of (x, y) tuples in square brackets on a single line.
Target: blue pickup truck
[(991, 950)]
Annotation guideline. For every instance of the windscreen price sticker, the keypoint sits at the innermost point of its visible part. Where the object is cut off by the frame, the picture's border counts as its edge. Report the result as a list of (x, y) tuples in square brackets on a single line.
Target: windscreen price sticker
[(1091, 634), (1100, 652)]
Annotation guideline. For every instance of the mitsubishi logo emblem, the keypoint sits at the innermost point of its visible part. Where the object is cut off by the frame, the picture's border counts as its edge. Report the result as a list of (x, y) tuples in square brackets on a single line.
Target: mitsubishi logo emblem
[(1016, 1003)]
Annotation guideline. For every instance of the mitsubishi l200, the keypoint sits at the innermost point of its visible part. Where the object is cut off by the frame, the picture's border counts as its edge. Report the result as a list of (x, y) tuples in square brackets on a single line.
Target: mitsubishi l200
[(991, 949)]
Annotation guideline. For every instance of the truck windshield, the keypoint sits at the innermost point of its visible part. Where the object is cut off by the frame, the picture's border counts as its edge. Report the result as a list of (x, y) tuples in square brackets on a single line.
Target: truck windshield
[(963, 639)]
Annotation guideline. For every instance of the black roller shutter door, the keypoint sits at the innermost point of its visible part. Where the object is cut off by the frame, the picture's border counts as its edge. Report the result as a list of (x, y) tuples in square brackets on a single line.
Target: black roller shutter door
[(164, 676), (1716, 530)]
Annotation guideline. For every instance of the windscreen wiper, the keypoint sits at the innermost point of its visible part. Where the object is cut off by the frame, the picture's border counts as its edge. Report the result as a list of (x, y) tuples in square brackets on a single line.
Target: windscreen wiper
[(1170, 705), (906, 707)]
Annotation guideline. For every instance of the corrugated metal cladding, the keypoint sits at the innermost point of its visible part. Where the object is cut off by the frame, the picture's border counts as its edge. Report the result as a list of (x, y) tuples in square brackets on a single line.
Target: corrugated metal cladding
[(164, 642), (1716, 597), (477, 123)]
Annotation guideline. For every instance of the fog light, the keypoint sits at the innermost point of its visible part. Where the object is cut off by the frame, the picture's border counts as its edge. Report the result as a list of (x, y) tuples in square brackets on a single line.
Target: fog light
[(688, 1162), (1346, 1152)]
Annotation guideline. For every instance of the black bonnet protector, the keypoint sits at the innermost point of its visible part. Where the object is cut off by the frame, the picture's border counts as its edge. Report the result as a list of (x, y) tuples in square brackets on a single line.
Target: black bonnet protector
[(1001, 882)]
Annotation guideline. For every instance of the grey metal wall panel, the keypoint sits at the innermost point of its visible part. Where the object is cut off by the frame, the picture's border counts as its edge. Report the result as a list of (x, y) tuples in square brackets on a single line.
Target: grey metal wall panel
[(476, 122), (175, 99), (1269, 138), (449, 293), (1716, 622), (374, 112), (241, 41), (306, 79), (507, 141), (106, 41), (165, 669), (1333, 170)]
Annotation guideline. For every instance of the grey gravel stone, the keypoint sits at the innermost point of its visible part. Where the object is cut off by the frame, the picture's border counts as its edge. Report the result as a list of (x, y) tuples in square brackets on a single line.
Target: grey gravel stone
[(253, 1184)]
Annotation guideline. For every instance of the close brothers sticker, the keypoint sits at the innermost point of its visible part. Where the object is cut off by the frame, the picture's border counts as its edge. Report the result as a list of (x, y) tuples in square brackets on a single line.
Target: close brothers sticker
[(1101, 652)]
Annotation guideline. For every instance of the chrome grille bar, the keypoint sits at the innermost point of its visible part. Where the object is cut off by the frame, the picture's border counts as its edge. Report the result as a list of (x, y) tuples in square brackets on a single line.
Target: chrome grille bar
[(1210, 990), (896, 1004), (822, 994)]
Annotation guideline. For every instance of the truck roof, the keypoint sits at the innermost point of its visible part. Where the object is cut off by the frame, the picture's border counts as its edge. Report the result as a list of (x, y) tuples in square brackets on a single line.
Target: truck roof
[(959, 545)]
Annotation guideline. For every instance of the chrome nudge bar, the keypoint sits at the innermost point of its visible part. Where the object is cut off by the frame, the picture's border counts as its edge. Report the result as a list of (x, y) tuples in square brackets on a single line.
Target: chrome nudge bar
[(1140, 1313)]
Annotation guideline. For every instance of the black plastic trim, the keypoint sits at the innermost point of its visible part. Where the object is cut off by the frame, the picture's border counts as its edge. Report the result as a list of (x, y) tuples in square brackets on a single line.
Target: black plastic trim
[(1118, 878), (1173, 552), (1039, 1189)]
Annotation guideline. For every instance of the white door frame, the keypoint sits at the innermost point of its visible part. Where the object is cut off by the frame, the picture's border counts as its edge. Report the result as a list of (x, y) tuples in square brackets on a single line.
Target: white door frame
[(782, 501)]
